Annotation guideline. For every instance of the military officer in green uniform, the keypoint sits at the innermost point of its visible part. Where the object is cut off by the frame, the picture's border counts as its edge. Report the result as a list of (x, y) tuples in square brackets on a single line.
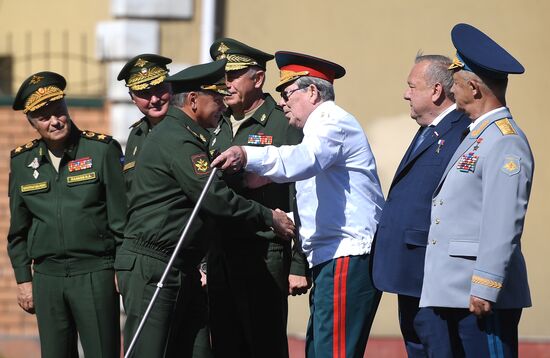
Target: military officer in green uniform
[(251, 274), (68, 212), (144, 76), (170, 173)]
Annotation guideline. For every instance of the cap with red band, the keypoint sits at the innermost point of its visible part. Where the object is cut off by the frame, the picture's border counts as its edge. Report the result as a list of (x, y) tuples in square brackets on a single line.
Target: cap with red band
[(294, 65)]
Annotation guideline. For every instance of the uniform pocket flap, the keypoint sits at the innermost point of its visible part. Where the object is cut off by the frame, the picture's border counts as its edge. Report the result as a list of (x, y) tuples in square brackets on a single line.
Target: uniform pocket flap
[(416, 237), (124, 262), (463, 248)]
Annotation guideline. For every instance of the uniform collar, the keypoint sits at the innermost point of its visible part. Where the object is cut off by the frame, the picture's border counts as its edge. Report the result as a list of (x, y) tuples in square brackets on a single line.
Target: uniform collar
[(200, 133), (143, 125), (481, 123), (262, 113)]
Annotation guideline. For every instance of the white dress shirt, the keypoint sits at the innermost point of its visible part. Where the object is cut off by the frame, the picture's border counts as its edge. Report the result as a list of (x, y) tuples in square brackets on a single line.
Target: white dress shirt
[(442, 115), (337, 188)]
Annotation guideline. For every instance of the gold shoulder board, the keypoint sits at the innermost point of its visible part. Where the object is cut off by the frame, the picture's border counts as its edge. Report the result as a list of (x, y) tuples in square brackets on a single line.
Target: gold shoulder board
[(96, 136), (505, 126), (24, 147)]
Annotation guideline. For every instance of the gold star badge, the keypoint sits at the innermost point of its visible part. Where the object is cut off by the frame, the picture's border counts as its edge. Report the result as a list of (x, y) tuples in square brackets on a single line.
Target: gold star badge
[(101, 136), (222, 49), (510, 166), (18, 149), (35, 79), (140, 63)]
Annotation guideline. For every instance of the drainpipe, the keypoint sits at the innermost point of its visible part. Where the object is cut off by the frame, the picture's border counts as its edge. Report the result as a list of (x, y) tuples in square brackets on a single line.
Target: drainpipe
[(208, 28)]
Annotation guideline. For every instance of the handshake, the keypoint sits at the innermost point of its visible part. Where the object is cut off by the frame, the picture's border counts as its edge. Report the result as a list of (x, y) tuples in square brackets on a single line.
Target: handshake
[(232, 161)]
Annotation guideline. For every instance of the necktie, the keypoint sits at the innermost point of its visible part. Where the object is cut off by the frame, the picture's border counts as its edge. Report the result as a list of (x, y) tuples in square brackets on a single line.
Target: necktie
[(465, 133), (423, 134)]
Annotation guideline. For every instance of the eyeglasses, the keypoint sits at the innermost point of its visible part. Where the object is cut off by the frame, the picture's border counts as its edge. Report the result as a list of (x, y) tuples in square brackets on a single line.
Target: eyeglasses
[(285, 95)]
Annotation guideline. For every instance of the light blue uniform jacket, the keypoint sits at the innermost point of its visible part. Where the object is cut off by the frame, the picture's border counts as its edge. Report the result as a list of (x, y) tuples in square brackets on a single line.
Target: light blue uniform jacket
[(477, 218)]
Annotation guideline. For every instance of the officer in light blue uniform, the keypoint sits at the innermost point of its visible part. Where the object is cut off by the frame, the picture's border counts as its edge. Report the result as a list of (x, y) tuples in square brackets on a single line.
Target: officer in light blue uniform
[(474, 275)]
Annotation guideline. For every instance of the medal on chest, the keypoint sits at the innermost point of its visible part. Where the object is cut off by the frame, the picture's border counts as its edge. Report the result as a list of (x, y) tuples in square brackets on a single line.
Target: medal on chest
[(80, 164), (467, 162), (260, 139)]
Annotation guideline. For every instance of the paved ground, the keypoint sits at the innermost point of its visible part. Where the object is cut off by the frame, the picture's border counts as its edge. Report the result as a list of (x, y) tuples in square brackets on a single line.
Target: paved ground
[(377, 347)]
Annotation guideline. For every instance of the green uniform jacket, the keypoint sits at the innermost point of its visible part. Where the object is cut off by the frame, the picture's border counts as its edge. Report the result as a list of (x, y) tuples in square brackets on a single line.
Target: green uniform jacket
[(137, 136), (70, 222), (268, 126), (170, 173)]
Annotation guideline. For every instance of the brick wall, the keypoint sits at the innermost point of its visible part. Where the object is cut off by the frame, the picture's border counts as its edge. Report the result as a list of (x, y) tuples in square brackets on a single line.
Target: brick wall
[(14, 131)]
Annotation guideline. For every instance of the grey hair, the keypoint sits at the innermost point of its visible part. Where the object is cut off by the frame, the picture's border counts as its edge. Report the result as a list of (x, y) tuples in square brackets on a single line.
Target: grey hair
[(325, 88), (496, 86), (253, 70), (178, 99), (438, 71)]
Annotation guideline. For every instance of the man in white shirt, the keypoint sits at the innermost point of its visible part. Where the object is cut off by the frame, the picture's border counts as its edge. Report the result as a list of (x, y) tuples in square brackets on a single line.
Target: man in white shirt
[(339, 201)]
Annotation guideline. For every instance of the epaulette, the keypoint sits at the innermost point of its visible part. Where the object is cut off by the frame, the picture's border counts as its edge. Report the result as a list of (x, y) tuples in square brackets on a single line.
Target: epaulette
[(96, 136), (136, 124), (505, 126), (201, 137), (24, 148)]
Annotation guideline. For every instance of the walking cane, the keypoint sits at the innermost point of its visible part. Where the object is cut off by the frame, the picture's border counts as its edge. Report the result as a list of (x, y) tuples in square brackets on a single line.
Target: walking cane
[(172, 258)]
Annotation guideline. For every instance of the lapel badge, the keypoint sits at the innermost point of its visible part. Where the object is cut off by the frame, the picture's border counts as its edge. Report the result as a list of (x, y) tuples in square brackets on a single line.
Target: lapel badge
[(478, 141), (217, 130), (262, 119), (135, 151), (34, 165), (439, 144)]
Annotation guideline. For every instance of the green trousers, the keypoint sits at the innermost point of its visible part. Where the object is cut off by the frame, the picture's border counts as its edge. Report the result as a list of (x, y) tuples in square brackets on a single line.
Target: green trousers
[(248, 293), (176, 325), (87, 304)]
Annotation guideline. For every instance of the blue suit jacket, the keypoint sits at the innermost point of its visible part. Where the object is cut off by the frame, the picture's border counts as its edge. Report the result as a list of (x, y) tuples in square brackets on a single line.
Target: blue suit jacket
[(400, 243)]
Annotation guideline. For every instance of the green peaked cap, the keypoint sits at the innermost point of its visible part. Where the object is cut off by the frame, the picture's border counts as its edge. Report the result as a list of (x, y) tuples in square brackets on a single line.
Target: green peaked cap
[(38, 90), (238, 54), (144, 71), (204, 77)]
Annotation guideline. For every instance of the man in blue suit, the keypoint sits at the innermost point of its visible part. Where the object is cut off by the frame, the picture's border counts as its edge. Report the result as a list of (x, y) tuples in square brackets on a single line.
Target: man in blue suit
[(400, 246)]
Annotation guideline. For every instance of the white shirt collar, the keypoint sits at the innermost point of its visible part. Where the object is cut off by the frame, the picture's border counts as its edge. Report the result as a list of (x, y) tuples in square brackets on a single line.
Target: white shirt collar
[(482, 117), (442, 115)]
